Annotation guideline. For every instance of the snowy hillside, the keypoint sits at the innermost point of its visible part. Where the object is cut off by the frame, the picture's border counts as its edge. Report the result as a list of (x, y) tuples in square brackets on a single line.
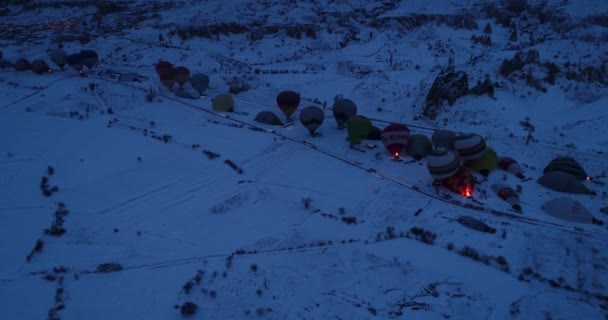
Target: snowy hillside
[(122, 200)]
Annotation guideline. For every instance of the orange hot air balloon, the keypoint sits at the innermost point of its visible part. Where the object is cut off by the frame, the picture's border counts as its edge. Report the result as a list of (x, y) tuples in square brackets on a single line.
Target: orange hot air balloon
[(462, 183)]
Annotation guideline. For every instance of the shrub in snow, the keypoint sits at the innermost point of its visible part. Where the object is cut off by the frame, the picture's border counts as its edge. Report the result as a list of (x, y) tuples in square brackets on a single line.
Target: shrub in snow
[(109, 267), (307, 201), (211, 154), (423, 235), (188, 308), (234, 167), (37, 248)]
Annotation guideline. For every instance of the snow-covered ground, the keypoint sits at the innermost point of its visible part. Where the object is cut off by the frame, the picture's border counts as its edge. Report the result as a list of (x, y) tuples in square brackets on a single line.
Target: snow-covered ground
[(253, 221)]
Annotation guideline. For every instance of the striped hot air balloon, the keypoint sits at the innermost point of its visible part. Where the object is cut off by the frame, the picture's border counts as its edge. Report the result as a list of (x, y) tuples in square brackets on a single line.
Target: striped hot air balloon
[(442, 164), (395, 137), (469, 146), (568, 165), (40, 67)]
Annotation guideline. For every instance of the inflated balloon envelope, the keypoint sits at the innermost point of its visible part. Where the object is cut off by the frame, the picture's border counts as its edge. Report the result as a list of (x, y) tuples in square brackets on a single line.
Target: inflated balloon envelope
[(507, 194), (395, 137), (462, 182)]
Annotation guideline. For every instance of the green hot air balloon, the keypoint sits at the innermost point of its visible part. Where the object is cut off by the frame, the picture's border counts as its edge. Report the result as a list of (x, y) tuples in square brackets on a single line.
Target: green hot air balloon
[(288, 101), (312, 117), (419, 146), (223, 102), (486, 163), (343, 109), (358, 129)]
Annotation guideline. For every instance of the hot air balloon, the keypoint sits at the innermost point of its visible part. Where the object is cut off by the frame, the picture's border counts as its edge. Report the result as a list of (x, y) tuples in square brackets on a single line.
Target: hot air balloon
[(74, 60), (188, 94), (167, 77), (462, 182), (469, 146), (268, 117), (89, 58), (374, 133), (419, 146), (343, 109), (507, 194), (486, 163), (568, 165), (442, 163), (182, 75), (223, 102), (564, 182), (59, 57), (23, 65), (200, 82), (312, 117), (40, 67), (568, 209), (444, 139), (395, 137), (288, 101), (511, 165), (163, 66), (358, 129)]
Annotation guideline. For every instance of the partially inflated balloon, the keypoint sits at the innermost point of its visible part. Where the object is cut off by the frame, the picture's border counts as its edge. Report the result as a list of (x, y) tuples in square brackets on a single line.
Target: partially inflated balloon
[(312, 117)]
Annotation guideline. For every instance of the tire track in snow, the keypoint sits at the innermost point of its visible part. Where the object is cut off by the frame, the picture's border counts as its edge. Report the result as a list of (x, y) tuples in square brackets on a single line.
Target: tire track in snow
[(138, 197)]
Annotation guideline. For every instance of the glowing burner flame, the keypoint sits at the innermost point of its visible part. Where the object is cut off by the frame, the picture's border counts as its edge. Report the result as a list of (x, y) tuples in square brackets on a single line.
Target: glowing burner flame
[(467, 192), (588, 179), (396, 154)]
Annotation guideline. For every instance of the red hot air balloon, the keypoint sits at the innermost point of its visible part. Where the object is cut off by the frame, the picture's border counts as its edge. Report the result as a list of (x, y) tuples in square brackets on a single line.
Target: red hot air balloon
[(288, 102), (163, 66), (395, 137), (167, 77), (182, 75)]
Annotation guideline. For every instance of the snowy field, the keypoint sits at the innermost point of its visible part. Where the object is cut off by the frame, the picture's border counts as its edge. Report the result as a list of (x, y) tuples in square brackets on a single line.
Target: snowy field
[(168, 204)]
